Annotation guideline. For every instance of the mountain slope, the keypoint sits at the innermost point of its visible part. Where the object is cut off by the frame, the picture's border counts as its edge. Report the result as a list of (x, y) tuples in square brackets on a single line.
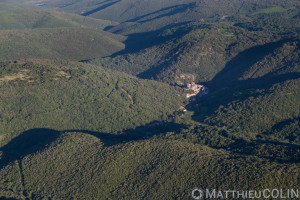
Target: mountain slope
[(148, 15), (62, 95), (79, 165), (57, 43), (257, 109), (204, 50), (29, 33), (83, 130), (30, 19)]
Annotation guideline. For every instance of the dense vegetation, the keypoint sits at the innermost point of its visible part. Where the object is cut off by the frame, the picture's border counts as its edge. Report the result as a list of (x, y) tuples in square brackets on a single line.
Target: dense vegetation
[(117, 125), (66, 96), (58, 43), (82, 166), (26, 33), (143, 16), (16, 18), (204, 50), (253, 111)]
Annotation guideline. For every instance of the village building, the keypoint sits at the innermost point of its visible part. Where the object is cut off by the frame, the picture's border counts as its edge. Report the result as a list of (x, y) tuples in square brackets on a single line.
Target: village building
[(198, 89)]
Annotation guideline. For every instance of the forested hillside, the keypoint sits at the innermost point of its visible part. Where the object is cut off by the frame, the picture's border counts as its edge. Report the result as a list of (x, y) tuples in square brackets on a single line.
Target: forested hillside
[(17, 18), (148, 99), (204, 50), (58, 43), (142, 16), (80, 165), (25, 33), (70, 96)]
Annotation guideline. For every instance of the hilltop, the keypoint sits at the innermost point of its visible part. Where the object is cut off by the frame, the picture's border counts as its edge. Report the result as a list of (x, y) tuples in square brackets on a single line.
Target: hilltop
[(27, 18), (64, 96), (143, 16), (57, 43), (25, 33)]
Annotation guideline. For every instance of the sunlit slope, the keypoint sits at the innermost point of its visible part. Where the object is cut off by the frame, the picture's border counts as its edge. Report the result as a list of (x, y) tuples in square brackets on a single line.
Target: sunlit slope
[(79, 165), (64, 96), (57, 43), (143, 16), (33, 18)]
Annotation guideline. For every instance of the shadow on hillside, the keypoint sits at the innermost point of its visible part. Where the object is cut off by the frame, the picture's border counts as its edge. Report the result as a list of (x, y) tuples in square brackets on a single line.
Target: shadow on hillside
[(102, 7), (35, 140), (28, 142), (281, 125), (172, 10), (243, 61), (139, 41), (139, 133), (238, 91), (225, 86), (271, 150)]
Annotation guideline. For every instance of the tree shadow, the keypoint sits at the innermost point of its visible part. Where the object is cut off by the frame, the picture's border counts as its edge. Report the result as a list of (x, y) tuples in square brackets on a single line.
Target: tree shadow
[(36, 140)]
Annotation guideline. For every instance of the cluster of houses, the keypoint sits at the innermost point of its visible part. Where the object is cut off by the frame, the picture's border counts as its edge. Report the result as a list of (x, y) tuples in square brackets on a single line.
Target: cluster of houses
[(197, 90)]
